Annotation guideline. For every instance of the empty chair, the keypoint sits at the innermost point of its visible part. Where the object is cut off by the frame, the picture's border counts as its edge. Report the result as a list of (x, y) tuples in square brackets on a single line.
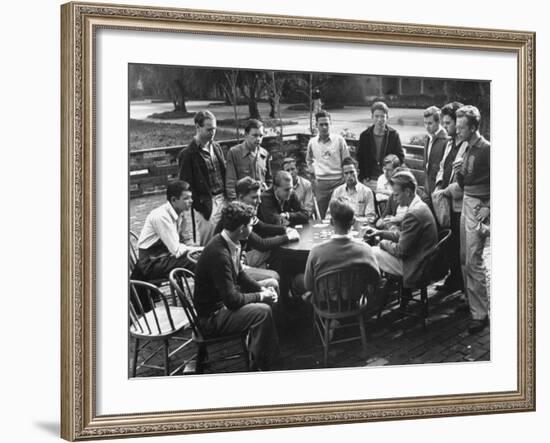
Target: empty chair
[(182, 284), (160, 324)]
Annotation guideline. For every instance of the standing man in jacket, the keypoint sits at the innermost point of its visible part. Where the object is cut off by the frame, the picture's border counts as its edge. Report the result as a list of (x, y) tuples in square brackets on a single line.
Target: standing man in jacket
[(446, 183), (202, 165), (434, 147), (375, 143), (248, 159)]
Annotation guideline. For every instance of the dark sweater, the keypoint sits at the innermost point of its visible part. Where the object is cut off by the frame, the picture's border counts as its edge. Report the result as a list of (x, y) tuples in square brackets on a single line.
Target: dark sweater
[(475, 175), (339, 253), (368, 157), (269, 210), (264, 237), (218, 283)]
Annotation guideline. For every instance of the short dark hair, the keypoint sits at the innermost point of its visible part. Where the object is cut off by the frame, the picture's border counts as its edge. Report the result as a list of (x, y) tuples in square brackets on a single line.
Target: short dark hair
[(379, 106), (322, 114), (405, 179), (201, 116), (280, 177), (342, 212), (236, 214), (253, 124), (450, 109), (175, 188), (471, 113), (433, 111), (348, 161), (246, 185), (391, 159), (288, 160)]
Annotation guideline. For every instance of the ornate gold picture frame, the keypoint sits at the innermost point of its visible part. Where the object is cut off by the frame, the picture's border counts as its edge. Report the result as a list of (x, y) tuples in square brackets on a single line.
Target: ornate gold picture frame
[(80, 23)]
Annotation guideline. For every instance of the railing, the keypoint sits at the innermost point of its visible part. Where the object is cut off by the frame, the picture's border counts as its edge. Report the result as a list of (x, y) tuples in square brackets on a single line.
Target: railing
[(151, 169)]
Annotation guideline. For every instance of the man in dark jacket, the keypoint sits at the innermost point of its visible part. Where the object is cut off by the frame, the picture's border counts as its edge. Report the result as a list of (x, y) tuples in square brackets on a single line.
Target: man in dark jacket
[(202, 165), (375, 143), (434, 147), (405, 253), (280, 206), (227, 300)]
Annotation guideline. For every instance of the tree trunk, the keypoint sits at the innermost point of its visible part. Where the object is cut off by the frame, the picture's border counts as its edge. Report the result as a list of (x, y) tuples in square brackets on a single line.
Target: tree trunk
[(253, 110), (180, 97)]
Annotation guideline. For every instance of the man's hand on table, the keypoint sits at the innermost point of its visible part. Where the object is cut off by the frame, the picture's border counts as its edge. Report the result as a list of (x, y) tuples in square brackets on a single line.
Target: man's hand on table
[(292, 234)]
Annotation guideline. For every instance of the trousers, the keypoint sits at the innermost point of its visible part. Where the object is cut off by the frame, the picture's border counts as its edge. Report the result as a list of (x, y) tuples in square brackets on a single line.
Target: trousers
[(473, 243)]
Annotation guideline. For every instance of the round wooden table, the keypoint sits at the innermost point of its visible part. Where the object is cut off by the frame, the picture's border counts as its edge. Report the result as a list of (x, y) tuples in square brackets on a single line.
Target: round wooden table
[(318, 232)]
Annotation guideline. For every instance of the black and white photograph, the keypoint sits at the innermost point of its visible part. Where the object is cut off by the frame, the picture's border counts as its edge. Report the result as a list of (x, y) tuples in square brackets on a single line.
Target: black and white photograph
[(303, 220)]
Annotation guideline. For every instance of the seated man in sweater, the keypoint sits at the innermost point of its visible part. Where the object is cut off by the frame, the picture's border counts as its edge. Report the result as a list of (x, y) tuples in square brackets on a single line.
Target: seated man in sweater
[(264, 237), (340, 252), (404, 253), (280, 206), (227, 300)]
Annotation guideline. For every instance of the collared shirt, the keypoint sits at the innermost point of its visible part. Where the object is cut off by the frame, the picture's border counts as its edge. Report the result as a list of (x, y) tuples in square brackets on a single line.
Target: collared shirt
[(234, 249), (383, 188), (163, 224), (325, 157), (242, 162), (360, 197), (348, 235), (304, 192), (213, 168)]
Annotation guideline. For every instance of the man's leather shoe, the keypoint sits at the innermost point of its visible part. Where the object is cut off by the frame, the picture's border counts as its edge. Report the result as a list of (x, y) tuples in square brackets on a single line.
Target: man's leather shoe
[(475, 326)]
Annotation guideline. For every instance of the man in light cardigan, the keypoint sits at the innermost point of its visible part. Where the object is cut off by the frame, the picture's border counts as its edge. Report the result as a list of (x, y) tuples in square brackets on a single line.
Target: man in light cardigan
[(325, 154)]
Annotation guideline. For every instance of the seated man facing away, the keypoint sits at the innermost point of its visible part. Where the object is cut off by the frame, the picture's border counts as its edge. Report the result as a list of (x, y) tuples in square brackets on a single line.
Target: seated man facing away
[(160, 248), (301, 186), (360, 196), (264, 237), (340, 252), (227, 300), (404, 253), (280, 206)]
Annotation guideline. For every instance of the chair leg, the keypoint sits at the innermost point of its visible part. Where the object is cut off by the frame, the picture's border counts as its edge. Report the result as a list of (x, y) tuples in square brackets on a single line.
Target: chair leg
[(201, 354), (246, 354), (424, 298), (135, 359), (363, 330), (166, 358), (327, 342)]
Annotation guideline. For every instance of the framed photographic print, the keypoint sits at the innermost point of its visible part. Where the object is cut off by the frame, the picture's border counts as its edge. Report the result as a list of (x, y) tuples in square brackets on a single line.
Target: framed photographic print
[(282, 221)]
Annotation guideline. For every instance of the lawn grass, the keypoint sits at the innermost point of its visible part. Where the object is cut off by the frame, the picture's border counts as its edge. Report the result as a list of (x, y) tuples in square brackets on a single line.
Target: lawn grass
[(146, 135)]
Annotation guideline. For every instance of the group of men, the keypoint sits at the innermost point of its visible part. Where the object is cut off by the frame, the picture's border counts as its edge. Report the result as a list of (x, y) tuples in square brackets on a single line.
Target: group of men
[(244, 213)]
